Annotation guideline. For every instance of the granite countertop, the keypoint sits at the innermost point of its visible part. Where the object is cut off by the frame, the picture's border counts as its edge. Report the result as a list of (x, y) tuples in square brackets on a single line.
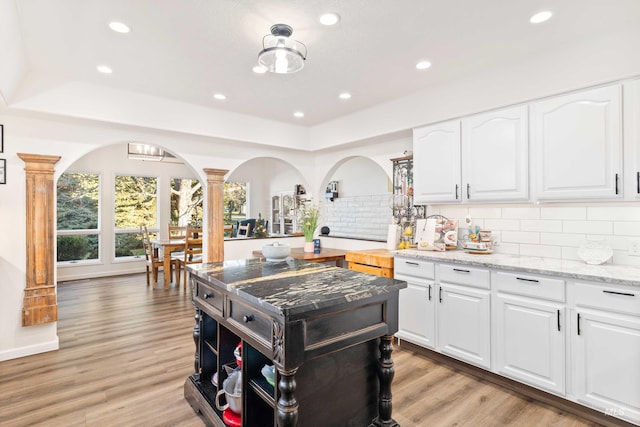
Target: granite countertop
[(605, 273), (291, 287)]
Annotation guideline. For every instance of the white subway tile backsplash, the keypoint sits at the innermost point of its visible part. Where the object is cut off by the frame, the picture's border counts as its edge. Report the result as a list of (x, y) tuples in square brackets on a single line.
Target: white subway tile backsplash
[(508, 248), (627, 228), (502, 224), (454, 212), (520, 237), (485, 212), (563, 239), (545, 251), (570, 254), (558, 212), (613, 213), (548, 225), (521, 213), (588, 227)]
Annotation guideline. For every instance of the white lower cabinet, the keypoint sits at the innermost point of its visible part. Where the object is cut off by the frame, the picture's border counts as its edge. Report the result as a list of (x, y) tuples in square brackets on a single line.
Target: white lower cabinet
[(464, 329), (605, 344), (530, 341), (416, 317)]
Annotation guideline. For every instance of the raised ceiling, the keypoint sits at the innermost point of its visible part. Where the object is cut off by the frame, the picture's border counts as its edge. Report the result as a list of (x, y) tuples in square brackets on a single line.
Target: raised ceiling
[(187, 50)]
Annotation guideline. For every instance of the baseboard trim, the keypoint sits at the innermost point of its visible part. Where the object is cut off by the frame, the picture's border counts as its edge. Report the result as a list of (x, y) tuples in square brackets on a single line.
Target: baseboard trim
[(15, 353), (519, 388)]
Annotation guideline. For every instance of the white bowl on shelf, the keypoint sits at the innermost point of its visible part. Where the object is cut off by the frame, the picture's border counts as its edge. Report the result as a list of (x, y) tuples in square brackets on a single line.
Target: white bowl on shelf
[(276, 251)]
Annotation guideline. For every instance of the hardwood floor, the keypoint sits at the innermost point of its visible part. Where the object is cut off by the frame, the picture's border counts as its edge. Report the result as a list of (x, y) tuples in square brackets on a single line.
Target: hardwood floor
[(126, 349)]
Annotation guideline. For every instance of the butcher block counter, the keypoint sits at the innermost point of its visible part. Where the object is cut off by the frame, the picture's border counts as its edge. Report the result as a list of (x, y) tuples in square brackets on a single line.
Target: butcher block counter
[(371, 261), (327, 330)]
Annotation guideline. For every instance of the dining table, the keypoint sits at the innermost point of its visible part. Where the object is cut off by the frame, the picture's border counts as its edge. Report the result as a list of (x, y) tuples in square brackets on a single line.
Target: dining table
[(166, 246)]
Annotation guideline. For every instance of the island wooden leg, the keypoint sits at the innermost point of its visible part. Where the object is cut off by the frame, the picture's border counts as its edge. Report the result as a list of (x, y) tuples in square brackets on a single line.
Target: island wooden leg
[(385, 376), (287, 404), (196, 339)]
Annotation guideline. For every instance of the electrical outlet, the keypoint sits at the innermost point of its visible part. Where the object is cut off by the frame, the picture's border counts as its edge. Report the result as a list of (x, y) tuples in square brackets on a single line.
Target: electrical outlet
[(634, 247)]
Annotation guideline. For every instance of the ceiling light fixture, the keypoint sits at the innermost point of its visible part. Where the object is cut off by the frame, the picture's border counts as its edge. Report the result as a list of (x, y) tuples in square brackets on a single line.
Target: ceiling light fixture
[(345, 95), (540, 17), (119, 27), (280, 54), (423, 65), (298, 114), (104, 69), (329, 19), (220, 96), (259, 69)]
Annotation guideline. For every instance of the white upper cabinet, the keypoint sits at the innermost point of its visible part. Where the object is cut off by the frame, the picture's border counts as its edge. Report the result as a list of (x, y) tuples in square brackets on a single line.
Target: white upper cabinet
[(577, 145), (632, 138), (495, 155), (436, 170)]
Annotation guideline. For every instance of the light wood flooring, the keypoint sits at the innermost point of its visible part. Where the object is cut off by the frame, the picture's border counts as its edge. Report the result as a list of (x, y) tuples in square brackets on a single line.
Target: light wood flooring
[(126, 349)]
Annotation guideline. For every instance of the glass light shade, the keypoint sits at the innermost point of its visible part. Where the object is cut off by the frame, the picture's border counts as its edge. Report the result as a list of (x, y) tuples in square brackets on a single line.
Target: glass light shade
[(281, 54)]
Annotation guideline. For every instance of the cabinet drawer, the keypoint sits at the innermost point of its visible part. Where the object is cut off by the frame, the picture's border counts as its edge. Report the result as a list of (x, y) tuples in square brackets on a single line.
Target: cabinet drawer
[(622, 300), (251, 321), (414, 267), (210, 297), (464, 275), (531, 286)]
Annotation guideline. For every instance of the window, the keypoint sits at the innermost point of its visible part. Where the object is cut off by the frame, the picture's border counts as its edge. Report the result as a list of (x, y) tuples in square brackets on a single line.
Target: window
[(235, 202), (186, 202), (136, 204), (78, 207)]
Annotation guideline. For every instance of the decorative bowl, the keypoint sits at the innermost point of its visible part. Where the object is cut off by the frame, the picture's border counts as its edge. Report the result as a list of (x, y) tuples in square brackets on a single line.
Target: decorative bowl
[(276, 251), (269, 373), (595, 252)]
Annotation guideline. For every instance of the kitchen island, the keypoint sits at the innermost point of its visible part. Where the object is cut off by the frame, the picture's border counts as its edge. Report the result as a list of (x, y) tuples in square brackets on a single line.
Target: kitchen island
[(327, 330)]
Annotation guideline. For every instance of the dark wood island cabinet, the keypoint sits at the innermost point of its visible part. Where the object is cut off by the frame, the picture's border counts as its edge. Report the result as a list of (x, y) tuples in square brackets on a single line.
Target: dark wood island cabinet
[(327, 330)]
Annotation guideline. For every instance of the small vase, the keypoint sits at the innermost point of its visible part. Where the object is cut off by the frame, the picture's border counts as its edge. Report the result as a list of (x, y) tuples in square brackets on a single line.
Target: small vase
[(308, 246)]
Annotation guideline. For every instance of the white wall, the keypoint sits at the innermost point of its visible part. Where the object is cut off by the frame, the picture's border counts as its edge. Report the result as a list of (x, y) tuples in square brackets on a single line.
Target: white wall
[(360, 176)]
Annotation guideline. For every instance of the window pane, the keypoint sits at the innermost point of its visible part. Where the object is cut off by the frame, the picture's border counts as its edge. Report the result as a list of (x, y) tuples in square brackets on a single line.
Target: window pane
[(78, 247), (78, 201), (235, 202), (186, 202), (136, 201), (129, 244)]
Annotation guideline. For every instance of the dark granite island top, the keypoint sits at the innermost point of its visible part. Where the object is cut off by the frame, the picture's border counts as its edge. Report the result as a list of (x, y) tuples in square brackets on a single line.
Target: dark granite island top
[(293, 286), (317, 324)]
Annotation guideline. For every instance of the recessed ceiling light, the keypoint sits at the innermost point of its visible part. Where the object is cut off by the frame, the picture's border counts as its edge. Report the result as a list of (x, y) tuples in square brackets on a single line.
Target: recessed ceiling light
[(298, 114), (540, 17), (259, 69), (104, 69), (219, 96), (119, 27), (329, 19), (345, 95), (423, 65)]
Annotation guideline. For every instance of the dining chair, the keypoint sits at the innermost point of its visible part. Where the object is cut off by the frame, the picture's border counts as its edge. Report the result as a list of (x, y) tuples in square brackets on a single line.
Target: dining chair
[(153, 259), (243, 231), (177, 232), (192, 250), (228, 230)]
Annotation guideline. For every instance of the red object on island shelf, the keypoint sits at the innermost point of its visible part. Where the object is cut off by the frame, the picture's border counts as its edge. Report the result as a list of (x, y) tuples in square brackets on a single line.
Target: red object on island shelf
[(238, 354), (231, 419)]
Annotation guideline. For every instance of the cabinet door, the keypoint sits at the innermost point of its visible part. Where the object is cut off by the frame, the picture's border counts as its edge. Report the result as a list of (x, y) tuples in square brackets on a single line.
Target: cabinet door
[(606, 362), (577, 145), (495, 155), (436, 154), (416, 313), (530, 341), (632, 137), (464, 329)]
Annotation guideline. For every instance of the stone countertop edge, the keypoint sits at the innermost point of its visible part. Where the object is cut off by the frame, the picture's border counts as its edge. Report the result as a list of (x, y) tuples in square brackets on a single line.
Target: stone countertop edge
[(297, 286), (604, 273)]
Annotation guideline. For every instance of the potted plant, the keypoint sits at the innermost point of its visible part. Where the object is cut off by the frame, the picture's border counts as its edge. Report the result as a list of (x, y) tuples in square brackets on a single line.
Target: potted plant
[(309, 217)]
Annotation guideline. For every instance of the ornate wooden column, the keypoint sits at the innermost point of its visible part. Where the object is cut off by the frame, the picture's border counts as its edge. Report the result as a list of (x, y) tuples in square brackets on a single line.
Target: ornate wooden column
[(40, 303), (215, 214)]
